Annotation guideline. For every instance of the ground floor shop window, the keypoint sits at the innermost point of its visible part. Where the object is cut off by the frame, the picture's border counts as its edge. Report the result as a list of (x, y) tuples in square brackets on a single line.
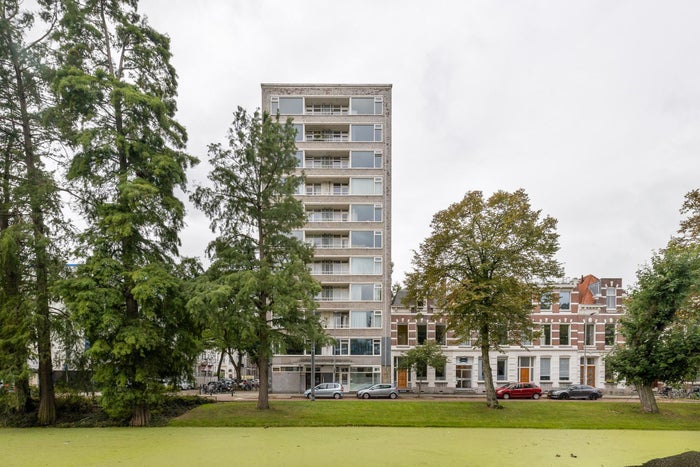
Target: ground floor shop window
[(363, 376)]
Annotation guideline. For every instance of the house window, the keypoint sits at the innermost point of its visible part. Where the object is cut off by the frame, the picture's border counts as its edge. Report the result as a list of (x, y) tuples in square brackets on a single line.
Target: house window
[(546, 334), (422, 333), (609, 333), (595, 288), (545, 369), (440, 334), (502, 369), (402, 334), (440, 373), (611, 298), (564, 301), (421, 371), (564, 334), (564, 368), (589, 334), (546, 302)]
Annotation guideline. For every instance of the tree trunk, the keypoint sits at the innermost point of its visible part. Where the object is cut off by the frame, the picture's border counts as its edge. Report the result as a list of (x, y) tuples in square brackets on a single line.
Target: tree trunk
[(221, 362), (419, 386), (491, 399), (141, 416), (263, 371), (646, 397), (37, 194)]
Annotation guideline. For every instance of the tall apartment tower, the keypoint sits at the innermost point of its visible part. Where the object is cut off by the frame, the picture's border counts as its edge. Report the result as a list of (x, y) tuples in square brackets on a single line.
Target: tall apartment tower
[(344, 149)]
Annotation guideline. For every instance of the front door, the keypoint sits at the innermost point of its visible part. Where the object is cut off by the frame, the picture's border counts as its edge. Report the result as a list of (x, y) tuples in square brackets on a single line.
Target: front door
[(402, 378), (590, 376), (524, 375)]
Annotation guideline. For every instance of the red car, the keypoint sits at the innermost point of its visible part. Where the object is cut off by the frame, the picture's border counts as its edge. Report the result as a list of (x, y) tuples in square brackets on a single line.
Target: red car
[(522, 390)]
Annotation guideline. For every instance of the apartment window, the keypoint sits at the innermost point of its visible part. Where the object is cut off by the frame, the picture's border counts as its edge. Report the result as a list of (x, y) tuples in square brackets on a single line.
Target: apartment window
[(564, 334), (378, 105), (440, 334), (609, 333), (365, 347), (402, 334), (300, 158), (366, 159), (364, 266), (362, 106), (564, 301), (366, 292), (611, 298), (564, 368), (545, 369), (366, 212), (422, 333), (298, 234), (366, 133), (366, 238), (342, 347), (589, 334), (299, 128), (546, 334), (366, 186), (546, 302), (365, 319), (287, 105), (341, 319)]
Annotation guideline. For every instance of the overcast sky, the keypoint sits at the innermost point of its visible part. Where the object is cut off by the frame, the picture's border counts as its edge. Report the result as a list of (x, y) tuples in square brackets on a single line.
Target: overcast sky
[(593, 107)]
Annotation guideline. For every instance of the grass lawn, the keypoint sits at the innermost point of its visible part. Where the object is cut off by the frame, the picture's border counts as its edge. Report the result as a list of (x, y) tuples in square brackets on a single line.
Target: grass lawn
[(596, 415), (341, 446)]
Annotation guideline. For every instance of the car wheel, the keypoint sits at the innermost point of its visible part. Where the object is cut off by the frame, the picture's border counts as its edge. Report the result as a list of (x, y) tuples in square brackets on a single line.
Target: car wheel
[(308, 396), (593, 397), (535, 396), (393, 395), (337, 395), (565, 396), (506, 396), (365, 395)]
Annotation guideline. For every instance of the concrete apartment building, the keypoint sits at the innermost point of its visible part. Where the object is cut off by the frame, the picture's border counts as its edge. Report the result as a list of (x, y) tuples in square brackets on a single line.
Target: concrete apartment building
[(344, 150), (578, 322)]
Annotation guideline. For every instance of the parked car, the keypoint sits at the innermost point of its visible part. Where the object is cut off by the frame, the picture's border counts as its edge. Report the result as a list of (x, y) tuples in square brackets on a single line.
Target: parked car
[(379, 390), (334, 390), (576, 391), (519, 390)]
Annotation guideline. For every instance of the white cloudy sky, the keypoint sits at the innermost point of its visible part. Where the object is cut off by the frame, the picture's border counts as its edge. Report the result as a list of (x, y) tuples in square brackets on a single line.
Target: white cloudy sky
[(593, 107)]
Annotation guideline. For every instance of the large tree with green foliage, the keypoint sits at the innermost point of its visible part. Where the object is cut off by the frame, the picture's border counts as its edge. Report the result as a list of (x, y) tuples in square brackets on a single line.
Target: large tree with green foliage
[(483, 263), (259, 269), (662, 324), (421, 357), (30, 218), (116, 92)]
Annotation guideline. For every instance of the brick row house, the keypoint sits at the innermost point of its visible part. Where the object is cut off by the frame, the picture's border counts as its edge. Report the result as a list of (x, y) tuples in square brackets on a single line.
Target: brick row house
[(578, 324)]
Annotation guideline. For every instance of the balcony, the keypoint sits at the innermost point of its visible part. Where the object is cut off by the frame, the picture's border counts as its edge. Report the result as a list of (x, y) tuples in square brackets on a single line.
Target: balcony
[(327, 135), (327, 163), (327, 216), (327, 268), (325, 242), (326, 109)]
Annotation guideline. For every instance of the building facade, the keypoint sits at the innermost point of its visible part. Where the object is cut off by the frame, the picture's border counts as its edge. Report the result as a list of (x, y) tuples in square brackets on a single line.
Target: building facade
[(344, 151), (578, 326)]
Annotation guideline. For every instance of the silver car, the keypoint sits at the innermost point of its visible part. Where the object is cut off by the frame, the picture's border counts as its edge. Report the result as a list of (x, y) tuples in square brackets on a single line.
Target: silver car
[(379, 390), (576, 391), (329, 390)]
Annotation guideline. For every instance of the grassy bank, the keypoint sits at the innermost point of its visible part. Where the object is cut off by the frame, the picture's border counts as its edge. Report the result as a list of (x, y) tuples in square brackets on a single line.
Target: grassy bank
[(596, 415)]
